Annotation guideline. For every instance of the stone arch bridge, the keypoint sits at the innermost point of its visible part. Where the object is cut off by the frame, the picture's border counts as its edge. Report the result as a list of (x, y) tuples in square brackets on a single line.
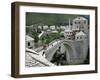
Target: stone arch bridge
[(76, 51)]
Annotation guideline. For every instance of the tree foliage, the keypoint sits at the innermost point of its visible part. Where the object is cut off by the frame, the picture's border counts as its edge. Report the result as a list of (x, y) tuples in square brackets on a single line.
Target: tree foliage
[(48, 18)]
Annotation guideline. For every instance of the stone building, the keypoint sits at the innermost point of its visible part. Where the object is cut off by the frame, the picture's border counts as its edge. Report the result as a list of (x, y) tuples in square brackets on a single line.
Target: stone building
[(45, 27), (80, 24), (78, 30), (52, 27), (80, 36), (29, 42)]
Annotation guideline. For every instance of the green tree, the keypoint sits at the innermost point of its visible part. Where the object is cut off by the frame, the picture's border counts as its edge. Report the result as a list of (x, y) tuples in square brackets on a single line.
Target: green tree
[(27, 30), (36, 38)]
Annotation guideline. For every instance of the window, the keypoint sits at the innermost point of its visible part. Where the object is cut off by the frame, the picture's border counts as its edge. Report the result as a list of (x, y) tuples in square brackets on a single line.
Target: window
[(43, 53), (84, 22), (75, 22), (80, 37), (82, 26), (69, 38), (79, 18), (28, 43)]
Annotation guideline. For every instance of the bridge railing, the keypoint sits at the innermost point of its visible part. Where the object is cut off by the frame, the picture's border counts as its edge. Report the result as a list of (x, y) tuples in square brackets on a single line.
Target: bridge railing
[(55, 41)]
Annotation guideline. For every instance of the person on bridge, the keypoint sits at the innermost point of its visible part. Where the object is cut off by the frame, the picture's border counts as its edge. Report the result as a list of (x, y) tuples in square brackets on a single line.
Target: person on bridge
[(58, 58)]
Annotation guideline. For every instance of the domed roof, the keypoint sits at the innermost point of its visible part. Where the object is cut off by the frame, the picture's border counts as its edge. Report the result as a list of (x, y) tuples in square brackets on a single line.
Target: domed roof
[(80, 33), (79, 18)]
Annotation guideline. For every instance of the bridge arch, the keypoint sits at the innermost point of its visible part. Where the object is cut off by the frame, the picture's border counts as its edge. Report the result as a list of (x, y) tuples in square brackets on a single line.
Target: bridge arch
[(69, 51)]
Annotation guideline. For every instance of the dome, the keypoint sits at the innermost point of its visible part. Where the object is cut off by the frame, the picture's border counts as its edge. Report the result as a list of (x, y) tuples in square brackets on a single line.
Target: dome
[(80, 33), (79, 18)]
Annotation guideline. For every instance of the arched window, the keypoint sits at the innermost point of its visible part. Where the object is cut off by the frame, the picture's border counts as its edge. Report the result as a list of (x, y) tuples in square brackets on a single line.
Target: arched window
[(28, 43), (43, 53), (75, 22), (80, 37)]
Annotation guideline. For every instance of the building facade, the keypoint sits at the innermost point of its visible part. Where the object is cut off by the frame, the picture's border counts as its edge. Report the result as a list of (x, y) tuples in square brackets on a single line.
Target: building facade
[(29, 42), (78, 30)]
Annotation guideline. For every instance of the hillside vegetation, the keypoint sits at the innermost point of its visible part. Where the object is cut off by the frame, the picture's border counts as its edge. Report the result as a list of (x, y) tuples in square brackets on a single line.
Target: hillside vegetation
[(49, 19)]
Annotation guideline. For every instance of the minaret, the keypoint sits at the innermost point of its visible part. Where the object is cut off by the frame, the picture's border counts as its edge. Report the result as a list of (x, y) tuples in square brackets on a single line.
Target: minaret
[(69, 21), (70, 25)]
